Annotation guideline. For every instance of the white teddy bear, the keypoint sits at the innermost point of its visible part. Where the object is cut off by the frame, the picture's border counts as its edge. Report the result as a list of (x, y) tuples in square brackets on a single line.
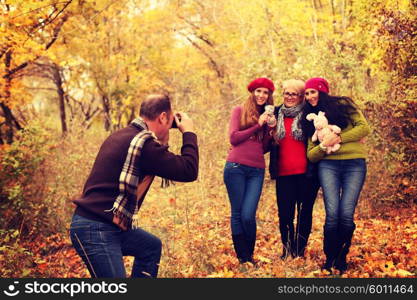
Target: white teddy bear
[(321, 124)]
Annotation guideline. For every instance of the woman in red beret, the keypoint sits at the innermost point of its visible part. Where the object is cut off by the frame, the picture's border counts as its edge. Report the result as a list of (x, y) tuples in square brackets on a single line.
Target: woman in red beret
[(245, 164), (296, 179), (341, 173)]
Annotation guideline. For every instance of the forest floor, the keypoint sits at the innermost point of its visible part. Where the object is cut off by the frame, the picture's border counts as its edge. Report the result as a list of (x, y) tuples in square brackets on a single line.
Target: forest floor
[(196, 241)]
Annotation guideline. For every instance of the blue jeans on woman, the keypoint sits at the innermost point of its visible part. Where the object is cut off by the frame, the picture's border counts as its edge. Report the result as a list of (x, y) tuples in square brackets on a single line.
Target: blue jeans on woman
[(342, 182), (244, 187), (102, 246)]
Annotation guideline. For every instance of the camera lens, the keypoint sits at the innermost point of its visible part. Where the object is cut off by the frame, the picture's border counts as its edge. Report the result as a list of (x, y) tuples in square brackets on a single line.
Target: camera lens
[(174, 122)]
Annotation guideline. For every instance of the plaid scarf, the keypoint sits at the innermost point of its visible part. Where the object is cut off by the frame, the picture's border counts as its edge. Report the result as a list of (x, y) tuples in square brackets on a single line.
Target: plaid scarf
[(127, 203), (290, 112)]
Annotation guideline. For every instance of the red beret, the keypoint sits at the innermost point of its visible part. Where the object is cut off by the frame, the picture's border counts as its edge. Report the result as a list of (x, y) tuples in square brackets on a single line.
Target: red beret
[(317, 83), (261, 82)]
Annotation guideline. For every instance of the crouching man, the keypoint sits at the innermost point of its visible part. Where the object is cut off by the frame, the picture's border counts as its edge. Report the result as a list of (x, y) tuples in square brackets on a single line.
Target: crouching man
[(101, 229)]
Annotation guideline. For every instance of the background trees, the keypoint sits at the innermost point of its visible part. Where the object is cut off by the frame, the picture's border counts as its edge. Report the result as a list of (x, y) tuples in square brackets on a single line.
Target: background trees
[(71, 71)]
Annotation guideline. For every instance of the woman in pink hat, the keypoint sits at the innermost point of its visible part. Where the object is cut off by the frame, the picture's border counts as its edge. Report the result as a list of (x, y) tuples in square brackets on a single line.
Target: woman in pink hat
[(341, 173), (245, 164)]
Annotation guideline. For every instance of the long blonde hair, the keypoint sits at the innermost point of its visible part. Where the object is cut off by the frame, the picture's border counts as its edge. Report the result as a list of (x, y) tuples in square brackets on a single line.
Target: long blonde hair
[(250, 114)]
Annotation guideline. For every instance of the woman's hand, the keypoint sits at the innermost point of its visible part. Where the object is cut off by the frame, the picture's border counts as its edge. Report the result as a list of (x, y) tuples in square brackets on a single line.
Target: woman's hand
[(262, 119), (271, 121), (331, 139)]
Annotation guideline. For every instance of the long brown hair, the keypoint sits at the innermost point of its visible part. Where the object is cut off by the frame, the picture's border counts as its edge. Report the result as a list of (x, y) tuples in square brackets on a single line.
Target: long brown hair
[(250, 113)]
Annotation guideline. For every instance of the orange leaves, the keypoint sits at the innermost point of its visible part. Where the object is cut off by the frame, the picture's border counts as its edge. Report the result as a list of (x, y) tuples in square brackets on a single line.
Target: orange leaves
[(197, 242), (382, 245), (225, 273), (389, 269), (386, 245), (404, 273), (387, 266), (172, 201)]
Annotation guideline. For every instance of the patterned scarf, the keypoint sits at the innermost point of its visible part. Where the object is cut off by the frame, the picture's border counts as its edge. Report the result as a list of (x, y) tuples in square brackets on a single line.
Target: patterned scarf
[(127, 203), (290, 112)]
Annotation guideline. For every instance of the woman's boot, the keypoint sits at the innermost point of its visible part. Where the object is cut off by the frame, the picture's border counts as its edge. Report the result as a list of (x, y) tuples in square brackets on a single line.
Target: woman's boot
[(251, 248), (241, 248), (346, 238), (331, 247)]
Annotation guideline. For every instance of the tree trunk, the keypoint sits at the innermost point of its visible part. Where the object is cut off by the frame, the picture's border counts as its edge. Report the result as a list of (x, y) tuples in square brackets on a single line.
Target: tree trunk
[(10, 121), (106, 110), (61, 97), (333, 16)]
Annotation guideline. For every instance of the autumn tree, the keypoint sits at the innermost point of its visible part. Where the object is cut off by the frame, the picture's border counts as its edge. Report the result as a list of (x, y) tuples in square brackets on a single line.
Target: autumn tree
[(29, 29)]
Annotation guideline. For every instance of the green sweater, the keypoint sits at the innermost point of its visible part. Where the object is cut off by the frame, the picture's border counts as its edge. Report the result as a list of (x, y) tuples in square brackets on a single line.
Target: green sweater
[(351, 147)]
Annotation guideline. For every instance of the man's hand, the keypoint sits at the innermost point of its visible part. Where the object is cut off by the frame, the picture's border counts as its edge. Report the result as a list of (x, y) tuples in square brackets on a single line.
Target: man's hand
[(185, 124)]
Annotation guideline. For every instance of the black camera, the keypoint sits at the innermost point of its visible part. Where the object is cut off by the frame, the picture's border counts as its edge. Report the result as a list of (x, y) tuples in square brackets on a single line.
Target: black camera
[(174, 123)]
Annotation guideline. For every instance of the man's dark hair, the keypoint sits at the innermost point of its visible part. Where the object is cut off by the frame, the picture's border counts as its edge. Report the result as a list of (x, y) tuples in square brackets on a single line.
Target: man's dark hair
[(153, 105)]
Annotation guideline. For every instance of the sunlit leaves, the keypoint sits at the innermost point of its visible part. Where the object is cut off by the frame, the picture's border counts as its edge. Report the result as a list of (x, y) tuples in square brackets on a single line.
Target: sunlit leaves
[(197, 242)]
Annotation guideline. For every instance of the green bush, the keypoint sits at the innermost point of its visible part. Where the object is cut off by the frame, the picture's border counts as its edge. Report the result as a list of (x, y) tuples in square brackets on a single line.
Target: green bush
[(22, 180), (392, 153), (15, 259)]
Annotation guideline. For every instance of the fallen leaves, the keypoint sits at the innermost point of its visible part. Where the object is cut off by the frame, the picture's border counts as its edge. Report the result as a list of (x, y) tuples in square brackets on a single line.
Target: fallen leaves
[(197, 242)]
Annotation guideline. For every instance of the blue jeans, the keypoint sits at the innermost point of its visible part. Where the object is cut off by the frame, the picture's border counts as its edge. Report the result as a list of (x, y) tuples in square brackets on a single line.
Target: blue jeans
[(244, 187), (342, 182), (102, 247)]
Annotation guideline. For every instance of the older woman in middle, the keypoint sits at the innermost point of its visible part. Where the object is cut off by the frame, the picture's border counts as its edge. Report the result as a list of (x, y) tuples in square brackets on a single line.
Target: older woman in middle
[(296, 179)]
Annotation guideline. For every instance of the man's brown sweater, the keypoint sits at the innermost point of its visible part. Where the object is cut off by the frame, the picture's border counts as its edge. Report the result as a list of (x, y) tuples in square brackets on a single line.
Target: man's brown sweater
[(102, 186)]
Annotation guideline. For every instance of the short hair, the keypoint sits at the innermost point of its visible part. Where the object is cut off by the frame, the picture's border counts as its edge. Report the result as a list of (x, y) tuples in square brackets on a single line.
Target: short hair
[(296, 84), (154, 105)]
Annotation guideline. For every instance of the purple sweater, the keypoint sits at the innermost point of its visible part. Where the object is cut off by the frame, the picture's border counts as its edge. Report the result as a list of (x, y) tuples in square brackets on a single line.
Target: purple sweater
[(246, 148)]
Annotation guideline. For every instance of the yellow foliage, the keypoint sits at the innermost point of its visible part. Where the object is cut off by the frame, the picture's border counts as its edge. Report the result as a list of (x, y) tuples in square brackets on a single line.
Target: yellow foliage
[(114, 53)]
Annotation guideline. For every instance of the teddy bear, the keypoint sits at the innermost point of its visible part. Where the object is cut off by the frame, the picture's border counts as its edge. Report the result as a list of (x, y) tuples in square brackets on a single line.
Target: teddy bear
[(269, 111), (321, 124)]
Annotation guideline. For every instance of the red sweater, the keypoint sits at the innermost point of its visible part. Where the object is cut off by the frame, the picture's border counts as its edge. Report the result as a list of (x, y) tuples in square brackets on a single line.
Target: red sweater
[(292, 159)]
